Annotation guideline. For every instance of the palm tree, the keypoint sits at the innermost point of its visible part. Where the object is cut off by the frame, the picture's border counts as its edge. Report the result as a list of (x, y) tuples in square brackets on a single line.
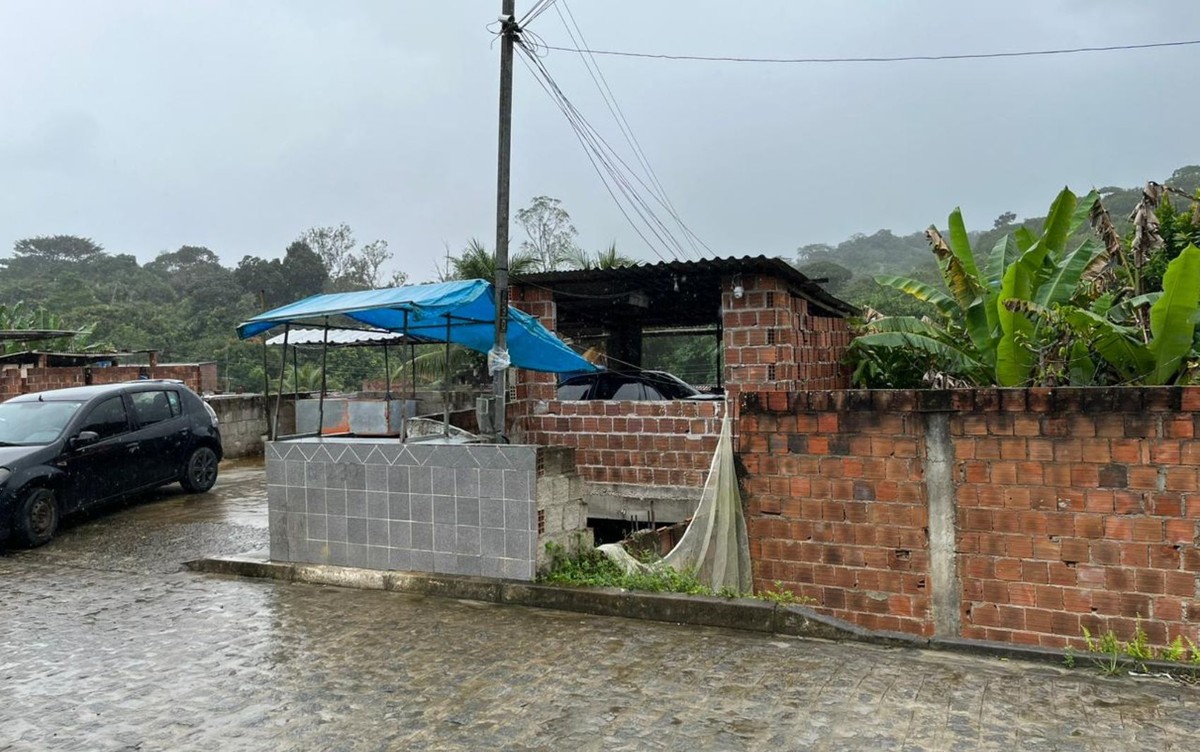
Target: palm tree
[(477, 262), (609, 258)]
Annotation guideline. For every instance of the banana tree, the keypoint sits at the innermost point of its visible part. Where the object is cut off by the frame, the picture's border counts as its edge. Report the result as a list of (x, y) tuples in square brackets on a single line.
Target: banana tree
[(977, 337)]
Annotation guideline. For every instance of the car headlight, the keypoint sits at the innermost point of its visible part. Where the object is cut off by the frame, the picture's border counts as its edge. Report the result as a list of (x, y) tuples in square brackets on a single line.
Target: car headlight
[(4, 474)]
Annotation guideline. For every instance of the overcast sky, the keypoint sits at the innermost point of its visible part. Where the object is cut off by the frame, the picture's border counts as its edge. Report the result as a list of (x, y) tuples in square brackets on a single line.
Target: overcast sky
[(147, 125)]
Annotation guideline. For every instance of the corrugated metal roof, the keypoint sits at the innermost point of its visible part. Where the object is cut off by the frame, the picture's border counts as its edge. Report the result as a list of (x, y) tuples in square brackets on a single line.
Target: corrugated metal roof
[(605, 281), (339, 337)]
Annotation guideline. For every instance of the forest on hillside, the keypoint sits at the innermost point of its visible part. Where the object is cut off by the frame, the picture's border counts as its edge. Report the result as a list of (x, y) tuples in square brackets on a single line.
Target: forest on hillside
[(851, 266), (185, 303)]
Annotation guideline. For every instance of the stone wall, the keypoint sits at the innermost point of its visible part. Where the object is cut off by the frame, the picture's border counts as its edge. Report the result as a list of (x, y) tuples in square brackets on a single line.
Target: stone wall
[(243, 422), (446, 509), (1022, 515)]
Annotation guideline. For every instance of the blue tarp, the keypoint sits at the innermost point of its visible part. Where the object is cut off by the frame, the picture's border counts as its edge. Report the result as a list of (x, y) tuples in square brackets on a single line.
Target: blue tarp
[(424, 310)]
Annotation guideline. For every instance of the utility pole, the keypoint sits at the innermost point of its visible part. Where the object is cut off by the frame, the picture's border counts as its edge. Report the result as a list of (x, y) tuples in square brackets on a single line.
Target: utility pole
[(508, 32)]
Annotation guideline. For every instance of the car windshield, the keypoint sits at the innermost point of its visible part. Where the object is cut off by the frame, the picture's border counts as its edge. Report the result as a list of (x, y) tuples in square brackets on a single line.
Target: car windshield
[(31, 423)]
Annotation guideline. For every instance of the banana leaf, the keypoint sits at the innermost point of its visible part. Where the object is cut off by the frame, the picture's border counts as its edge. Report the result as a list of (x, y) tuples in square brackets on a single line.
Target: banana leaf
[(1014, 359), (1172, 317), (1064, 279), (960, 245), (923, 292), (952, 359), (1117, 345)]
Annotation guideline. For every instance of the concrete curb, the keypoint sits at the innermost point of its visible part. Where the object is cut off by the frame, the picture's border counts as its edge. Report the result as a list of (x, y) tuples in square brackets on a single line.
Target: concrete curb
[(747, 614)]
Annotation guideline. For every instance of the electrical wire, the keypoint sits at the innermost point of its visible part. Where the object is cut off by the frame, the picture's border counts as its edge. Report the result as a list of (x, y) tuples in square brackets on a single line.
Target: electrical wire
[(535, 10), (895, 59), (605, 160), (614, 108)]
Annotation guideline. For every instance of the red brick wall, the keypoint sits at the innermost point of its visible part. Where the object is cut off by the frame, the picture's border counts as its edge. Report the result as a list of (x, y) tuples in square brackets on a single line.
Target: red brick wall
[(1074, 507), (836, 506), (773, 343), (201, 377), (643, 443)]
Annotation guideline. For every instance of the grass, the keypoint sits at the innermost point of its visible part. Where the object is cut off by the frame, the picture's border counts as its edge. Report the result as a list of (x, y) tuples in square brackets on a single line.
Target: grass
[(1110, 655), (591, 568)]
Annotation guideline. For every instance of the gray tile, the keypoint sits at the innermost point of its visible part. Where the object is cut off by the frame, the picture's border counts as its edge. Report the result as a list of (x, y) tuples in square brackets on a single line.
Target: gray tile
[(377, 533), (491, 543), (356, 476), (517, 545), (491, 513), (443, 481), (421, 561), (470, 565), (314, 474), (400, 534), (491, 484), (445, 563), (466, 540), (297, 500), (420, 480), (306, 450), (318, 527), (466, 481), (520, 457), (422, 536), (356, 530), (377, 505), (517, 484), (315, 501), (444, 538), (335, 475), (272, 450), (356, 503), (276, 498), (518, 515), (318, 552), (400, 558), (421, 508), (515, 569), (491, 566), (335, 501), (294, 472), (357, 556), (295, 529), (338, 554), (389, 452), (467, 511), (398, 508), (420, 454), (276, 472), (377, 477), (378, 557), (337, 529), (321, 455), (444, 509), (398, 479)]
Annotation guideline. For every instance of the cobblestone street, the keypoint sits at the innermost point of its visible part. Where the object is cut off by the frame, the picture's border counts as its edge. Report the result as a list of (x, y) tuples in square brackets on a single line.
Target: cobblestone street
[(105, 644)]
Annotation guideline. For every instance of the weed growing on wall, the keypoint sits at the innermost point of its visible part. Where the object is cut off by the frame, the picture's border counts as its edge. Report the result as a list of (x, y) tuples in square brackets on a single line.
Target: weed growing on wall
[(1111, 656)]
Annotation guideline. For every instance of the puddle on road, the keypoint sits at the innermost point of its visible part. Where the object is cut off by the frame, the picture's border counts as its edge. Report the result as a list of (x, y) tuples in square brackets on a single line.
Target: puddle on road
[(239, 498)]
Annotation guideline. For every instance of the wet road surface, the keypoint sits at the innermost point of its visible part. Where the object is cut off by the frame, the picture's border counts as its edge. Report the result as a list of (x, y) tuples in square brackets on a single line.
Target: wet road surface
[(106, 645)]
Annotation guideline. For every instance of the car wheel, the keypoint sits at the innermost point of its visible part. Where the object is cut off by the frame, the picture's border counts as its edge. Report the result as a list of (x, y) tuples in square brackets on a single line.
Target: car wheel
[(37, 517), (201, 471)]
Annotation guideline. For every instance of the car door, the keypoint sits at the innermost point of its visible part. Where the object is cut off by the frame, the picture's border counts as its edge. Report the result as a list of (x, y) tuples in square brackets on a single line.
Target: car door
[(161, 432), (107, 467)]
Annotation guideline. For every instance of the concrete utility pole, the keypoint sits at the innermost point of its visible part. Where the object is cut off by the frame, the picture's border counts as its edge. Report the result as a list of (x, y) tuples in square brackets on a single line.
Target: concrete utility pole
[(508, 30)]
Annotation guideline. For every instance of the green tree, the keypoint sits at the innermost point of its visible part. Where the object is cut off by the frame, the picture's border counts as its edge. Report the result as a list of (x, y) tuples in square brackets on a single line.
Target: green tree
[(58, 248), (550, 236), (475, 261)]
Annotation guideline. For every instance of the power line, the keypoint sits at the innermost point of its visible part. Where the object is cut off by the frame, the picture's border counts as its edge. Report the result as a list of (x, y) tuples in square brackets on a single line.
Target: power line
[(896, 59), (605, 160), (618, 114)]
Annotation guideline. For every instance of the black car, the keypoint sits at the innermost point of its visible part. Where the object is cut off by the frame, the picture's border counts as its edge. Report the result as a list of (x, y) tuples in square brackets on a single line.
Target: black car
[(68, 449), (639, 386)]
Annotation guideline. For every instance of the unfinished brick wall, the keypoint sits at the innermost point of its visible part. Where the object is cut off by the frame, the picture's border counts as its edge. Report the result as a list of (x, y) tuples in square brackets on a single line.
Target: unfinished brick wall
[(772, 341), (1073, 508), (200, 377), (836, 506), (634, 443)]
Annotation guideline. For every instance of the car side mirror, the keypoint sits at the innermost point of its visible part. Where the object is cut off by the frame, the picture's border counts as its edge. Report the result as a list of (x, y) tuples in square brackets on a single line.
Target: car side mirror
[(84, 438)]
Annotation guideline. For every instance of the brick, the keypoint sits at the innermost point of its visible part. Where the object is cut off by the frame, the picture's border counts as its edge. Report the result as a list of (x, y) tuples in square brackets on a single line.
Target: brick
[(1180, 531)]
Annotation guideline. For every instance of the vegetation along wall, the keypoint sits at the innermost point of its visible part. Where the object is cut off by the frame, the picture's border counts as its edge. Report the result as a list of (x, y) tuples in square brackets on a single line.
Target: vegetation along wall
[(1016, 515)]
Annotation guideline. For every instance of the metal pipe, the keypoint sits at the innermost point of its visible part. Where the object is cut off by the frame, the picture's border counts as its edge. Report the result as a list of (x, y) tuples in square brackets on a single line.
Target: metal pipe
[(446, 384), (321, 400), (282, 370)]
